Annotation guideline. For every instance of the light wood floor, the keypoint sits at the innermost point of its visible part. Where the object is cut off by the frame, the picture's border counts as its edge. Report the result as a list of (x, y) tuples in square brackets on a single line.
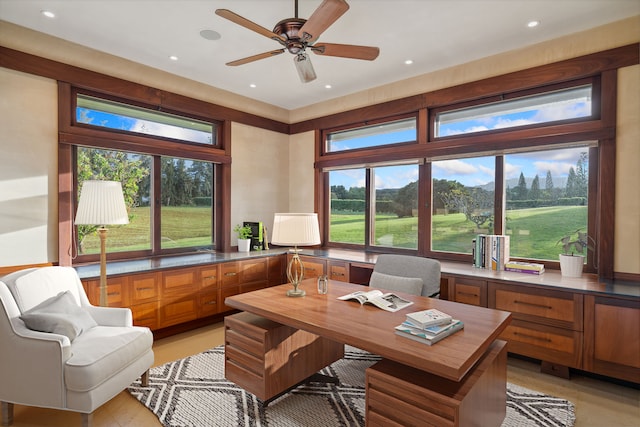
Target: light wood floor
[(598, 403)]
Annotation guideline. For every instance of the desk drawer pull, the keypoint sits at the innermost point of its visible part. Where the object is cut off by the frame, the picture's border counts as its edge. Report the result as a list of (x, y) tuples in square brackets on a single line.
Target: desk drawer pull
[(533, 337), (337, 274), (113, 293), (144, 289), (211, 302), (548, 307), (210, 277), (233, 273)]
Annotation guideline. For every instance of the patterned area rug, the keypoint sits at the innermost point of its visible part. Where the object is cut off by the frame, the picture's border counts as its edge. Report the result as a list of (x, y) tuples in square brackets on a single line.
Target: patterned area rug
[(194, 392)]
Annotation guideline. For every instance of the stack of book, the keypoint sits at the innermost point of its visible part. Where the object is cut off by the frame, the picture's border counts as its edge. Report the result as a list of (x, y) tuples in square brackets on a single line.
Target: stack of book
[(524, 267), (490, 251), (428, 326)]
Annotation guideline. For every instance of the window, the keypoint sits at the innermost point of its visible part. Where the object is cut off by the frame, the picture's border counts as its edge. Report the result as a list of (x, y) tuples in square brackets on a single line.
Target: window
[(393, 132), (122, 117), (170, 199), (463, 193), (388, 214), (542, 108)]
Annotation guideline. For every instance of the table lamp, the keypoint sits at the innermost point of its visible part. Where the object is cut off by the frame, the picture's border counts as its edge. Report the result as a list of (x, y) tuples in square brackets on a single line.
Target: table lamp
[(295, 229), (102, 203)]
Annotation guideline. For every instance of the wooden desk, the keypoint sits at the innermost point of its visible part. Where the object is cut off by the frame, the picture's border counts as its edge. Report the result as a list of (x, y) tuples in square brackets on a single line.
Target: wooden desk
[(372, 329)]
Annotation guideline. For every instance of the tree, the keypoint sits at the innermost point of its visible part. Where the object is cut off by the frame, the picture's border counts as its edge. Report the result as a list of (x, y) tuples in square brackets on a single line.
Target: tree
[(475, 203), (110, 165), (582, 176), (440, 187), (572, 184), (338, 192), (534, 193), (548, 187), (520, 192), (406, 200)]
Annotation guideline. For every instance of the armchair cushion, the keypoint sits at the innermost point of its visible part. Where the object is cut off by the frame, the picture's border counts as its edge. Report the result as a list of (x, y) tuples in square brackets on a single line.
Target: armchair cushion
[(410, 285), (59, 314)]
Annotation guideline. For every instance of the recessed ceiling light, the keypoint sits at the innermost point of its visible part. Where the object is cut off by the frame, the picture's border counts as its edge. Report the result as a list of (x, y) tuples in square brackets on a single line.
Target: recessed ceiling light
[(532, 24), (173, 58), (252, 85), (408, 62), (327, 86), (48, 13), (210, 35)]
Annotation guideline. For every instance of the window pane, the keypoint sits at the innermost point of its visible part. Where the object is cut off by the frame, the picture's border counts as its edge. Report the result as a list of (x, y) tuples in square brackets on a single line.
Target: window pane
[(133, 171), (547, 197), (347, 206), (123, 117), (549, 107), (463, 202), (186, 203), (396, 206), (372, 136)]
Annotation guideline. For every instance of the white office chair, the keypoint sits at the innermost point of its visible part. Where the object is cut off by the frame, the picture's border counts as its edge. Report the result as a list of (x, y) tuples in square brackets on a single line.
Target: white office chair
[(405, 273), (91, 355)]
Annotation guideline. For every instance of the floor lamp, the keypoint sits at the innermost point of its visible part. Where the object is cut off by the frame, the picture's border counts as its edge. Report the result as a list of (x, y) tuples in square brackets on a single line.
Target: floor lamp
[(295, 229), (102, 203)]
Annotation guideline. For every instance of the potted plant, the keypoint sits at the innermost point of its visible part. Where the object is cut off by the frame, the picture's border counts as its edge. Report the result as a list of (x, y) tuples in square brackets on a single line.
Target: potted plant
[(573, 247), (244, 237)]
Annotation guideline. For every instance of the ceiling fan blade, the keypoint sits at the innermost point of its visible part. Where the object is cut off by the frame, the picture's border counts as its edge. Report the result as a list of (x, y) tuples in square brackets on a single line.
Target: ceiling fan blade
[(255, 57), (304, 67), (237, 19), (347, 51), (325, 15)]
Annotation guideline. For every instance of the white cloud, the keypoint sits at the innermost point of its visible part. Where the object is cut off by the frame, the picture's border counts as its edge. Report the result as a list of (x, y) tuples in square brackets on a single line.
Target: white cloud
[(454, 167)]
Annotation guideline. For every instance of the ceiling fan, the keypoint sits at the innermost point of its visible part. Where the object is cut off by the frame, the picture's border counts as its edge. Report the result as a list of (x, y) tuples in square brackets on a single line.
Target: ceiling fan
[(298, 36)]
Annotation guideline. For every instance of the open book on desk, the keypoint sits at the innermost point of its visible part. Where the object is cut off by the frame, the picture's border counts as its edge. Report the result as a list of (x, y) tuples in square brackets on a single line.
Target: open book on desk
[(388, 302)]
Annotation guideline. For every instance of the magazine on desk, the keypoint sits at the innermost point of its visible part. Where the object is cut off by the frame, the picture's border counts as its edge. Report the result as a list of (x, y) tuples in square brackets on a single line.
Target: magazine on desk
[(431, 334), (389, 302)]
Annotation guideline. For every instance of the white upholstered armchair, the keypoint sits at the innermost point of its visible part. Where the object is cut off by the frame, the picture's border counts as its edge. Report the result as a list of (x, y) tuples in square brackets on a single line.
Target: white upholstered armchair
[(406, 273), (89, 354)]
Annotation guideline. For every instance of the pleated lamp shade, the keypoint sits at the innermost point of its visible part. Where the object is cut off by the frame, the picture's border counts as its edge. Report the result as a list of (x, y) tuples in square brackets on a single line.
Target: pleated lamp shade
[(101, 203), (295, 229)]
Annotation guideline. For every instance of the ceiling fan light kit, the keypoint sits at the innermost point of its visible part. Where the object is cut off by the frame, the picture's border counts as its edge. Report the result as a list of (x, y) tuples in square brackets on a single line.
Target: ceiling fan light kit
[(297, 36)]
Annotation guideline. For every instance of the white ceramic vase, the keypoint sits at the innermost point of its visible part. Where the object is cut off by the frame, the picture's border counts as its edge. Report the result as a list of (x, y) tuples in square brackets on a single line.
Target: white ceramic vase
[(571, 265)]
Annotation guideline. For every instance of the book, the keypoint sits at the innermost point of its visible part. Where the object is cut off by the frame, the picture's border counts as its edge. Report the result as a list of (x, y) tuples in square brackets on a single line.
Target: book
[(524, 267), (430, 317), (490, 251), (389, 302), (426, 337)]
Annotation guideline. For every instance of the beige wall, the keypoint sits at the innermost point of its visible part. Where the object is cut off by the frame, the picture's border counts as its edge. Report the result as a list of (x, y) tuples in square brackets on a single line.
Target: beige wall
[(270, 171), (28, 169), (627, 217), (259, 175)]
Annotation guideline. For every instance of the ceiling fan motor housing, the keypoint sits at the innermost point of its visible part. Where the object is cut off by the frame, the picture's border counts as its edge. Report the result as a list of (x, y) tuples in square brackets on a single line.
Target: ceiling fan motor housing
[(289, 29)]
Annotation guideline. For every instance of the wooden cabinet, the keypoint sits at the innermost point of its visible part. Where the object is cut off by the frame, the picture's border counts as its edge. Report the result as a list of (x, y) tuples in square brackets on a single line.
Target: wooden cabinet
[(276, 274), (468, 291), (313, 267), (547, 324), (117, 295), (612, 340)]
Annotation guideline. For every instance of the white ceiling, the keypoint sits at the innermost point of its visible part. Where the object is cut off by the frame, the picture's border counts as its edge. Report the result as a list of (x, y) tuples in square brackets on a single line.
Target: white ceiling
[(435, 34)]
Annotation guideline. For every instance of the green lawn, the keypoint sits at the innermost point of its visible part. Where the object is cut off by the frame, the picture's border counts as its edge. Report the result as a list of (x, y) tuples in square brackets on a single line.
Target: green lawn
[(534, 232)]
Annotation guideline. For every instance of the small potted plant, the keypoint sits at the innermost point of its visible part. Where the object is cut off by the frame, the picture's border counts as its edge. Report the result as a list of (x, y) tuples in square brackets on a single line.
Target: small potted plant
[(244, 237), (573, 247)]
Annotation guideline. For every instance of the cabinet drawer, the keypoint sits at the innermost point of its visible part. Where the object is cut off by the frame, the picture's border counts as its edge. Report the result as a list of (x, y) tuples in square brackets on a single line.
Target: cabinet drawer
[(276, 275), (145, 314), (143, 287), (227, 291), (209, 277), (339, 271), (554, 308), (313, 267), (180, 281), (179, 310), (547, 343), (208, 304), (229, 274), (117, 294), (470, 291), (253, 270)]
